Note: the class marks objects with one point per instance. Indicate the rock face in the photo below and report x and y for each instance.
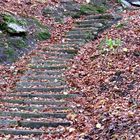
(18, 35)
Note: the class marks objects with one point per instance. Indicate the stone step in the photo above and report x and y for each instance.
(45, 72)
(32, 115)
(96, 25)
(48, 61)
(32, 124)
(32, 95)
(84, 36)
(20, 132)
(40, 59)
(35, 98)
(58, 54)
(41, 84)
(102, 16)
(49, 103)
(40, 108)
(92, 21)
(49, 89)
(66, 45)
(43, 77)
(84, 29)
(79, 41)
(69, 50)
(51, 67)
(80, 32)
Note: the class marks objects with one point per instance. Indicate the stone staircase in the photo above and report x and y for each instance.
(41, 100)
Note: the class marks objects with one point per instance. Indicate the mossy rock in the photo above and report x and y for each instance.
(88, 9)
(14, 44)
(92, 9)
(18, 42)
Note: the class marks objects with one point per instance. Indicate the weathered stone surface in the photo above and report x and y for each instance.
(14, 28)
(98, 2)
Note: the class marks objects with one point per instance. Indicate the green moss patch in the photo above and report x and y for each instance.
(43, 35)
(89, 9)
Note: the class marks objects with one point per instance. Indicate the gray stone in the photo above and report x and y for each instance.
(15, 29)
(97, 2)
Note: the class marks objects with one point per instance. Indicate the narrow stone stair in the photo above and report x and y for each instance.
(41, 98)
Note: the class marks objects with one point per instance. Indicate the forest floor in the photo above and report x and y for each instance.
(106, 75)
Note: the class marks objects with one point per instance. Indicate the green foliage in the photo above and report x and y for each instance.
(120, 25)
(88, 8)
(11, 19)
(43, 35)
(109, 44)
(10, 52)
(112, 44)
(18, 43)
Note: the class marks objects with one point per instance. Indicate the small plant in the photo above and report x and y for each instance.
(109, 44)
(112, 44)
(121, 24)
